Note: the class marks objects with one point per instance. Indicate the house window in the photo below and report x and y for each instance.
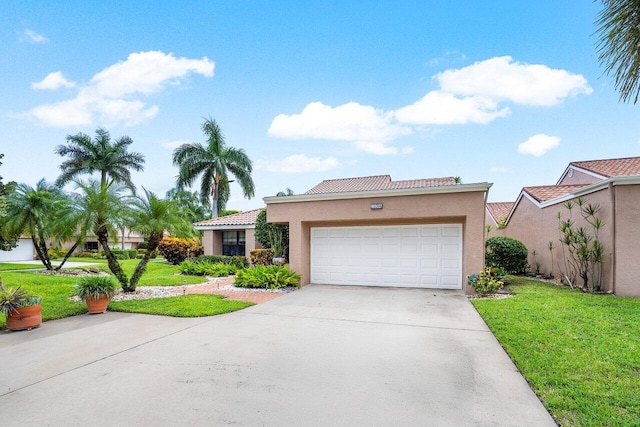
(91, 246)
(233, 242)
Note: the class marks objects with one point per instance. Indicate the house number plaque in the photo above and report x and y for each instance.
(376, 205)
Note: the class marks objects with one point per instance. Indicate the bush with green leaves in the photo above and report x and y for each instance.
(486, 282)
(506, 252)
(194, 268)
(271, 277)
(273, 236)
(239, 261)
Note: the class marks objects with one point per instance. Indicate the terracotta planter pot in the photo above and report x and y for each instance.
(25, 318)
(97, 305)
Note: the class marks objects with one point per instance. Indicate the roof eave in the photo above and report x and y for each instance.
(224, 227)
(458, 188)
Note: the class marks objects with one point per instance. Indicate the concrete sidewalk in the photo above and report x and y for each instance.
(323, 355)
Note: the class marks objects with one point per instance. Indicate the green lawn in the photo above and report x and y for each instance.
(580, 352)
(183, 306)
(6, 266)
(56, 290)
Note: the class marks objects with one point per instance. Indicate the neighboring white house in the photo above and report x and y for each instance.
(23, 252)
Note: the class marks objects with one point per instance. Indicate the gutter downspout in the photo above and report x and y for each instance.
(612, 194)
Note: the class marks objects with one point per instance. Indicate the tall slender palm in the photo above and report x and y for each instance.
(151, 217)
(114, 163)
(213, 163)
(618, 45)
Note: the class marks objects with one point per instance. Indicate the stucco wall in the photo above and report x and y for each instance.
(537, 227)
(467, 209)
(627, 259)
(212, 241)
(579, 178)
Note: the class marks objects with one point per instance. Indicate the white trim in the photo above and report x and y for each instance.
(224, 227)
(458, 188)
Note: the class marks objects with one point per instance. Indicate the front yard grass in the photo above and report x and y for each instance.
(56, 290)
(7, 266)
(183, 306)
(579, 352)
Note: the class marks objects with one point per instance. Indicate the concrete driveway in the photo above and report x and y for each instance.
(320, 356)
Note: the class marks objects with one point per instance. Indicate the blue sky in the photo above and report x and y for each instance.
(498, 91)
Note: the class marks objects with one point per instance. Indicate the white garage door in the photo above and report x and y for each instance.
(420, 256)
(23, 252)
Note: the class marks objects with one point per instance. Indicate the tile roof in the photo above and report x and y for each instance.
(611, 167)
(240, 218)
(547, 192)
(374, 183)
(499, 210)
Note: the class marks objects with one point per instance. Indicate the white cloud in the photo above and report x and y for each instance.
(538, 145)
(174, 144)
(407, 150)
(113, 95)
(440, 108)
(501, 78)
(53, 81)
(298, 163)
(31, 36)
(369, 128)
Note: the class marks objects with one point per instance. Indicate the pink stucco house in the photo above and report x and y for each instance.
(231, 234)
(612, 184)
(373, 231)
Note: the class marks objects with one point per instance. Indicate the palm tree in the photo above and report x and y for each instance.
(31, 211)
(152, 217)
(114, 164)
(213, 164)
(287, 192)
(618, 45)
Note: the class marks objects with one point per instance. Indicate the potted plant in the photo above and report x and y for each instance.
(95, 291)
(23, 311)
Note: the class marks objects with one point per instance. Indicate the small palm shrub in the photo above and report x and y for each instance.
(506, 252)
(14, 298)
(95, 287)
(194, 268)
(272, 277)
(486, 282)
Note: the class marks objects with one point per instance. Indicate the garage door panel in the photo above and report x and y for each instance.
(416, 256)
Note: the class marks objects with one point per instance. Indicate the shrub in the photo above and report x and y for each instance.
(192, 268)
(239, 261)
(506, 252)
(175, 250)
(261, 256)
(272, 276)
(95, 287)
(486, 282)
(274, 236)
(132, 253)
(143, 245)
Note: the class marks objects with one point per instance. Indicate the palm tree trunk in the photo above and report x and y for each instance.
(68, 254)
(154, 240)
(42, 253)
(214, 209)
(112, 262)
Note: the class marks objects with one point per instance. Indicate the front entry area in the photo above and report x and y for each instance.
(418, 256)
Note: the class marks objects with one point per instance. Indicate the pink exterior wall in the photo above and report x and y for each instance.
(466, 208)
(536, 227)
(579, 178)
(627, 240)
(212, 241)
